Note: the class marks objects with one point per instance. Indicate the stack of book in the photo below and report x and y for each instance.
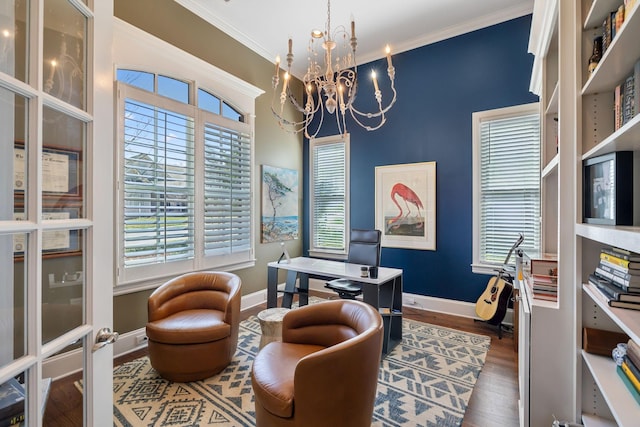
(629, 371)
(626, 98)
(618, 277)
(541, 274)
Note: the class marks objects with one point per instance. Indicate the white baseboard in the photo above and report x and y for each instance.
(71, 362)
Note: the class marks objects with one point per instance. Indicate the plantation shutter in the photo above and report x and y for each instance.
(158, 185)
(329, 196)
(509, 185)
(227, 192)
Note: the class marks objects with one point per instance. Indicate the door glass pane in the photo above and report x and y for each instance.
(62, 166)
(13, 159)
(63, 400)
(13, 297)
(63, 284)
(13, 38)
(64, 59)
(13, 393)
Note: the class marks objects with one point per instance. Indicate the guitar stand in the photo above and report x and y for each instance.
(500, 326)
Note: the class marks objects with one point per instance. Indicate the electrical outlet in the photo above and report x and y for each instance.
(141, 339)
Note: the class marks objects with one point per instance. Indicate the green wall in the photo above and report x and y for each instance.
(174, 24)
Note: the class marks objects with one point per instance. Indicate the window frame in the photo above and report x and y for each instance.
(478, 118)
(315, 251)
(137, 50)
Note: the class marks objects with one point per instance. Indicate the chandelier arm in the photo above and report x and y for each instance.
(382, 111)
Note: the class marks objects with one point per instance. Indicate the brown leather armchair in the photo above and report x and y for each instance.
(325, 370)
(193, 325)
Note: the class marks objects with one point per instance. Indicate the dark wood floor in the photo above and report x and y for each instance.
(494, 401)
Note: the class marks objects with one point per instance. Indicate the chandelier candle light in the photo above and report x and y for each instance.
(336, 81)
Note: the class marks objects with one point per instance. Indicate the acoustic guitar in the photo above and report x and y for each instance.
(492, 304)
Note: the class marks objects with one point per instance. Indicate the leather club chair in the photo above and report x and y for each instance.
(193, 325)
(325, 370)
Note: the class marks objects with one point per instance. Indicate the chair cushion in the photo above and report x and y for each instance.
(189, 327)
(344, 285)
(273, 374)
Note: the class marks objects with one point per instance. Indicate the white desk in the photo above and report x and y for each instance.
(383, 293)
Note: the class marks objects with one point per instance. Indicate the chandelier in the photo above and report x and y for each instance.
(330, 88)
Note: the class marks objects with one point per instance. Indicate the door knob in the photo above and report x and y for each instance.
(104, 337)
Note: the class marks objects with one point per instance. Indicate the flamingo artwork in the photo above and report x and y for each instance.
(409, 197)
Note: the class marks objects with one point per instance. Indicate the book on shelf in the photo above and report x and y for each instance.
(636, 92)
(607, 287)
(628, 282)
(617, 107)
(615, 260)
(628, 384)
(623, 253)
(624, 304)
(633, 369)
(618, 270)
(16, 393)
(630, 374)
(611, 298)
(11, 402)
(627, 100)
(633, 352)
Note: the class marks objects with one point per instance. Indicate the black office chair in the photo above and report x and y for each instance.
(364, 249)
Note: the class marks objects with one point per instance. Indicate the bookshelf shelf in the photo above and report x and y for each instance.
(623, 406)
(594, 421)
(617, 61)
(628, 320)
(598, 12)
(627, 237)
(552, 105)
(551, 167)
(627, 138)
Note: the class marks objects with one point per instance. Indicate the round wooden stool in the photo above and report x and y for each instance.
(271, 324)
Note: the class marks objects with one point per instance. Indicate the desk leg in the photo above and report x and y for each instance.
(303, 292)
(289, 288)
(272, 287)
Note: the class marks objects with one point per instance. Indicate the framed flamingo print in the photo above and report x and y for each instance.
(406, 205)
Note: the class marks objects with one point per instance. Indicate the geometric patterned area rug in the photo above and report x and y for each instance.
(427, 380)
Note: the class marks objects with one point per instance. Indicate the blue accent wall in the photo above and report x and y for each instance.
(439, 87)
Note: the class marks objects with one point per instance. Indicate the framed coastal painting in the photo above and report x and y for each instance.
(279, 204)
(406, 205)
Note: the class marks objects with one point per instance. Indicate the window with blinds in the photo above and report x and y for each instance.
(227, 195)
(507, 188)
(185, 181)
(329, 204)
(158, 193)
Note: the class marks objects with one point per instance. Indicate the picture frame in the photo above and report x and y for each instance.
(280, 216)
(405, 205)
(608, 191)
(55, 243)
(61, 169)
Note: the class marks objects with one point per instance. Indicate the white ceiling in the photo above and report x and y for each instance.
(266, 25)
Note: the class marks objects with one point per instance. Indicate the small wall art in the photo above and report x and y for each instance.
(279, 204)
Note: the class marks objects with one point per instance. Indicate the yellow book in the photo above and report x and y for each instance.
(630, 375)
(614, 260)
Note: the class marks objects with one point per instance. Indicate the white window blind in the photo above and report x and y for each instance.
(158, 185)
(329, 222)
(227, 181)
(509, 183)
